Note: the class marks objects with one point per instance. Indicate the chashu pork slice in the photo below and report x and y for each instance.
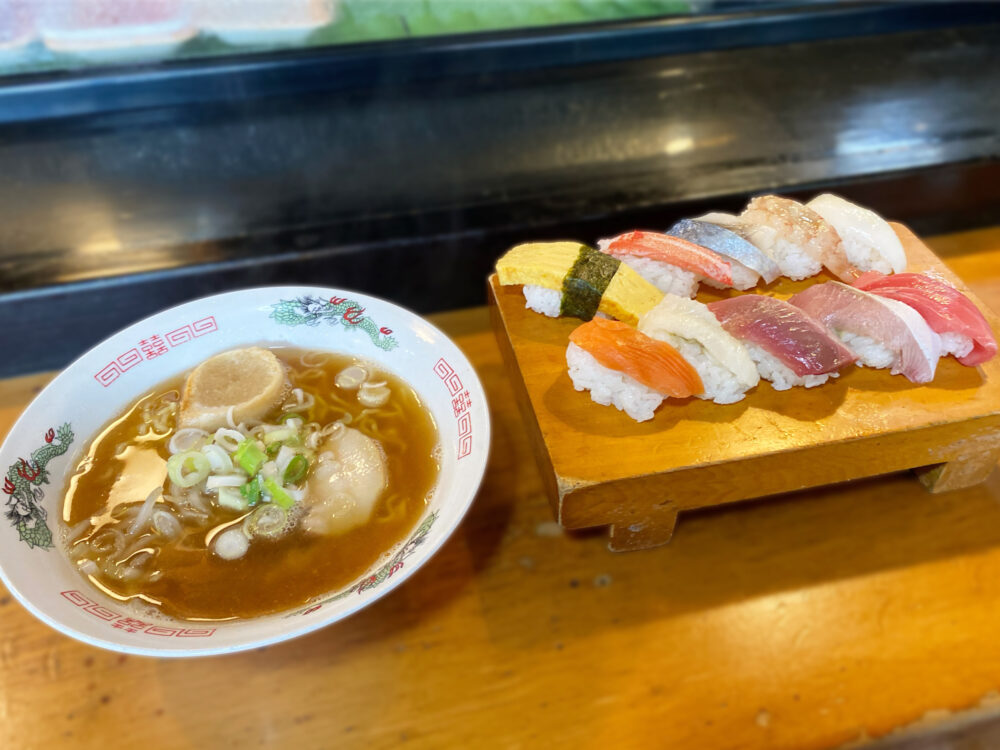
(251, 381)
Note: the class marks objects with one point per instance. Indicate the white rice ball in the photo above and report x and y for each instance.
(956, 344)
(863, 256)
(668, 278)
(782, 377)
(721, 385)
(610, 387)
(543, 300)
(868, 351)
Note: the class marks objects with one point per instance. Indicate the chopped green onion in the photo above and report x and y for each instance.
(276, 436)
(273, 449)
(296, 470)
(188, 468)
(278, 495)
(289, 415)
(249, 457)
(232, 499)
(251, 491)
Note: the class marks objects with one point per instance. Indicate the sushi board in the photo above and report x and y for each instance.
(601, 468)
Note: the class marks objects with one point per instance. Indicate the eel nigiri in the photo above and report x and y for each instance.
(963, 330)
(746, 259)
(726, 370)
(881, 332)
(570, 279)
(868, 240)
(671, 264)
(789, 346)
(627, 369)
(801, 241)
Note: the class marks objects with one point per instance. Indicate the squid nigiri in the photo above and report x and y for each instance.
(881, 332)
(723, 363)
(745, 259)
(788, 345)
(671, 264)
(801, 241)
(963, 330)
(624, 368)
(868, 240)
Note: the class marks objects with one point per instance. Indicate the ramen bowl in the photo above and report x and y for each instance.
(46, 444)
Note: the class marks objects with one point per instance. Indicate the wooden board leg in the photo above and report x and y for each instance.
(961, 472)
(653, 531)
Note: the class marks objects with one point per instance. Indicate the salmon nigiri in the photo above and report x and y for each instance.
(672, 264)
(622, 367)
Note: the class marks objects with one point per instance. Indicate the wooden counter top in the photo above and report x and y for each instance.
(806, 621)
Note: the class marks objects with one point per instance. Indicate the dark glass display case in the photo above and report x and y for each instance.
(403, 166)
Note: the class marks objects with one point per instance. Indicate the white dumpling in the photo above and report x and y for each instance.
(348, 479)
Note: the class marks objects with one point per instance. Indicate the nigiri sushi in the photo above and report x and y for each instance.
(671, 264)
(570, 279)
(800, 240)
(868, 240)
(627, 369)
(881, 332)
(788, 345)
(963, 330)
(726, 370)
(746, 260)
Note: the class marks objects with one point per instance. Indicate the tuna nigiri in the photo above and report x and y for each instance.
(881, 332)
(800, 240)
(672, 265)
(789, 346)
(745, 258)
(723, 363)
(868, 240)
(963, 329)
(627, 369)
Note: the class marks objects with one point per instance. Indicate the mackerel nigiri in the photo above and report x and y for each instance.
(723, 363)
(963, 329)
(868, 240)
(672, 265)
(801, 241)
(881, 332)
(742, 254)
(627, 369)
(789, 346)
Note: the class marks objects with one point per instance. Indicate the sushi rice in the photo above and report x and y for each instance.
(778, 373)
(543, 300)
(721, 385)
(869, 352)
(956, 344)
(609, 387)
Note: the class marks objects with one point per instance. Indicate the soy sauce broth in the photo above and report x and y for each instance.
(122, 466)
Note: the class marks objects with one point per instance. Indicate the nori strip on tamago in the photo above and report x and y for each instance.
(585, 283)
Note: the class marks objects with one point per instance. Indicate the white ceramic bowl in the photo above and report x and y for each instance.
(45, 445)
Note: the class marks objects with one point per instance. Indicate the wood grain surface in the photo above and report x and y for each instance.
(609, 469)
(807, 621)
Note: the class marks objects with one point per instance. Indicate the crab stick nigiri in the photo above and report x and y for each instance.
(622, 367)
(673, 265)
(881, 332)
